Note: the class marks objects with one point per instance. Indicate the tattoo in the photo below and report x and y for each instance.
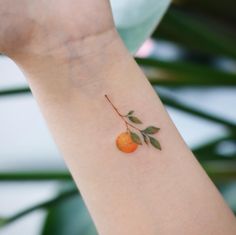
(129, 140)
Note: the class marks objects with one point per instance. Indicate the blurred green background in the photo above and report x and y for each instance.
(191, 50)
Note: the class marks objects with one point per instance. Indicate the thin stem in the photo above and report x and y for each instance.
(133, 126)
(117, 111)
(122, 116)
(196, 112)
(35, 176)
(15, 91)
(44, 205)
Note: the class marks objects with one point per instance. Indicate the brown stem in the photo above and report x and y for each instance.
(133, 126)
(122, 116)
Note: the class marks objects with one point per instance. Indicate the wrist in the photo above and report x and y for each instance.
(83, 61)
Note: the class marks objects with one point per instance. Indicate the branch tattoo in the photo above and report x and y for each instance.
(129, 140)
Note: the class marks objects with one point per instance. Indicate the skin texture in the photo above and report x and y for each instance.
(72, 55)
(45, 27)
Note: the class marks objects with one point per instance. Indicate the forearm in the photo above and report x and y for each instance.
(145, 192)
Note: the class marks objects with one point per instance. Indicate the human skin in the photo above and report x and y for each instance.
(72, 56)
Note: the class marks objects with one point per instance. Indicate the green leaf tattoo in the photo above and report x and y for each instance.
(155, 143)
(134, 119)
(129, 140)
(135, 138)
(130, 112)
(145, 139)
(151, 130)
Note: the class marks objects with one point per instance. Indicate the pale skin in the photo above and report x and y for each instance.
(72, 56)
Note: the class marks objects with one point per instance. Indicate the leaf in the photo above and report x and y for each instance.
(137, 19)
(69, 218)
(151, 130)
(185, 73)
(155, 143)
(145, 139)
(196, 34)
(135, 138)
(130, 112)
(134, 119)
(2, 221)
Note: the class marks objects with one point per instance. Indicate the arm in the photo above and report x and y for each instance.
(145, 192)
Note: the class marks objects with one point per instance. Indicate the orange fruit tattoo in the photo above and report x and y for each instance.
(125, 143)
(129, 140)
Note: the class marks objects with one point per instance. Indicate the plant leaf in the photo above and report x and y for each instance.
(70, 217)
(196, 34)
(130, 112)
(134, 119)
(2, 221)
(135, 138)
(155, 143)
(151, 130)
(145, 139)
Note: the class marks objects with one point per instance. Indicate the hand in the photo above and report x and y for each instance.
(45, 26)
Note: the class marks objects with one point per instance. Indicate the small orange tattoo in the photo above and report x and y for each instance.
(128, 141)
